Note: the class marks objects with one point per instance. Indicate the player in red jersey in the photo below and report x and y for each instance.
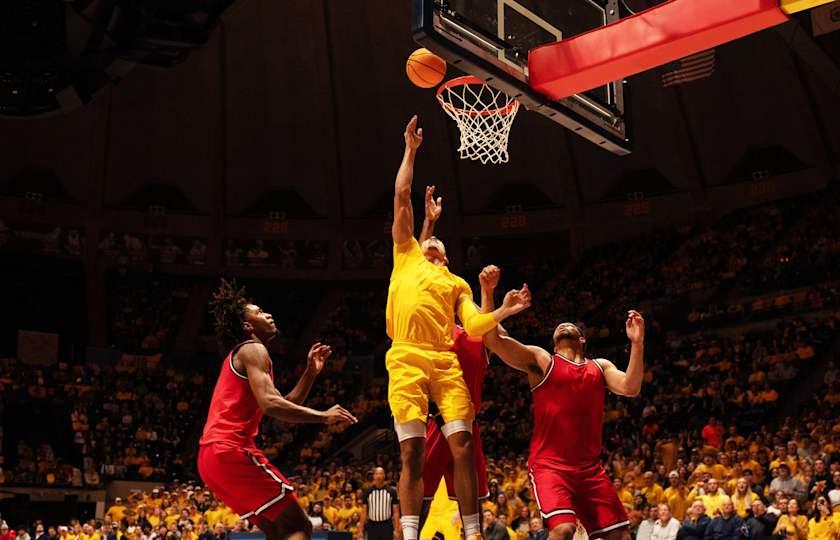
(438, 462)
(567, 477)
(228, 460)
(472, 357)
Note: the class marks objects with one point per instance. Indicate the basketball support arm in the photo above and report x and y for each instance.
(651, 38)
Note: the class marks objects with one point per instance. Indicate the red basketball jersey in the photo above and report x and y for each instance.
(473, 359)
(568, 413)
(234, 416)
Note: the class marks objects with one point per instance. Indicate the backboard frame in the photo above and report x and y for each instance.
(502, 65)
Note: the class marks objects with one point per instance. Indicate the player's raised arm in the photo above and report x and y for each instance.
(527, 358)
(403, 228)
(315, 361)
(628, 383)
(434, 208)
(477, 323)
(255, 358)
(489, 280)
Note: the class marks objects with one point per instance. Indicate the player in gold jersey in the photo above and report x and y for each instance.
(423, 298)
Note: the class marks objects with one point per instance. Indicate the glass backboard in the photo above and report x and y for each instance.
(491, 40)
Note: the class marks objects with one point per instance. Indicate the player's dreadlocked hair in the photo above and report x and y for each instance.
(228, 310)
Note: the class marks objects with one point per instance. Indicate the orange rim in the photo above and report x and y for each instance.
(467, 80)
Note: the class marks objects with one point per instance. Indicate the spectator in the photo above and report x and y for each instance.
(492, 529)
(787, 484)
(821, 526)
(345, 513)
(792, 525)
(676, 496)
(219, 532)
(5, 533)
(503, 521)
(820, 480)
(780, 504)
(198, 252)
(834, 501)
(666, 526)
(52, 534)
(241, 526)
(645, 529)
(23, 534)
(651, 491)
(537, 531)
(316, 516)
(233, 254)
(761, 524)
(694, 527)
(712, 497)
(108, 532)
(117, 510)
(522, 523)
(713, 433)
(257, 255)
(203, 532)
(728, 525)
(40, 533)
(743, 498)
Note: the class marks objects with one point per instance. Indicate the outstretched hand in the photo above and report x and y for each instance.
(338, 414)
(317, 357)
(434, 208)
(635, 327)
(413, 135)
(517, 301)
(489, 277)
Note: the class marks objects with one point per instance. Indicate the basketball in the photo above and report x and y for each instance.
(425, 69)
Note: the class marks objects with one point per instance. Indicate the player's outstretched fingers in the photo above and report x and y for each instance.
(348, 416)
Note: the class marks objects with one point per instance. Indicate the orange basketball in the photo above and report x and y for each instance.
(425, 69)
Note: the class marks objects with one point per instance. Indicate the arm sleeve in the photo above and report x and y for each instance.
(475, 323)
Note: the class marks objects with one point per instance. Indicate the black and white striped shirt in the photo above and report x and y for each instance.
(380, 502)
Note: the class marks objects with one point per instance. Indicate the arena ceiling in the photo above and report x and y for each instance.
(299, 106)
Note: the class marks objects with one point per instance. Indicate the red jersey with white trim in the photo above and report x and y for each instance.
(473, 359)
(235, 415)
(568, 414)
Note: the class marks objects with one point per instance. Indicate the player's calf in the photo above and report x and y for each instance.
(291, 524)
(564, 531)
(616, 534)
(463, 459)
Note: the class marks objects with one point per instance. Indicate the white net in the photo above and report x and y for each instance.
(484, 116)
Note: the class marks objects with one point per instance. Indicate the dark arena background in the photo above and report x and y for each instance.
(149, 149)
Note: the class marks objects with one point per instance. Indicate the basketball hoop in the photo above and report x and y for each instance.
(484, 116)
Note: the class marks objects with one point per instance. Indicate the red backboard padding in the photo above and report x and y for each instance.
(654, 37)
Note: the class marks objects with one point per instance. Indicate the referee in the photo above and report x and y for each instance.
(380, 510)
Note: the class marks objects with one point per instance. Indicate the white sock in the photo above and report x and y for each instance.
(410, 527)
(472, 525)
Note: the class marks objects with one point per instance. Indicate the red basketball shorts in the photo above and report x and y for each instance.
(246, 481)
(566, 495)
(438, 463)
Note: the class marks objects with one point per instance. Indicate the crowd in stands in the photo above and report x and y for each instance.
(739, 312)
(140, 250)
(145, 311)
(729, 485)
(123, 419)
(280, 254)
